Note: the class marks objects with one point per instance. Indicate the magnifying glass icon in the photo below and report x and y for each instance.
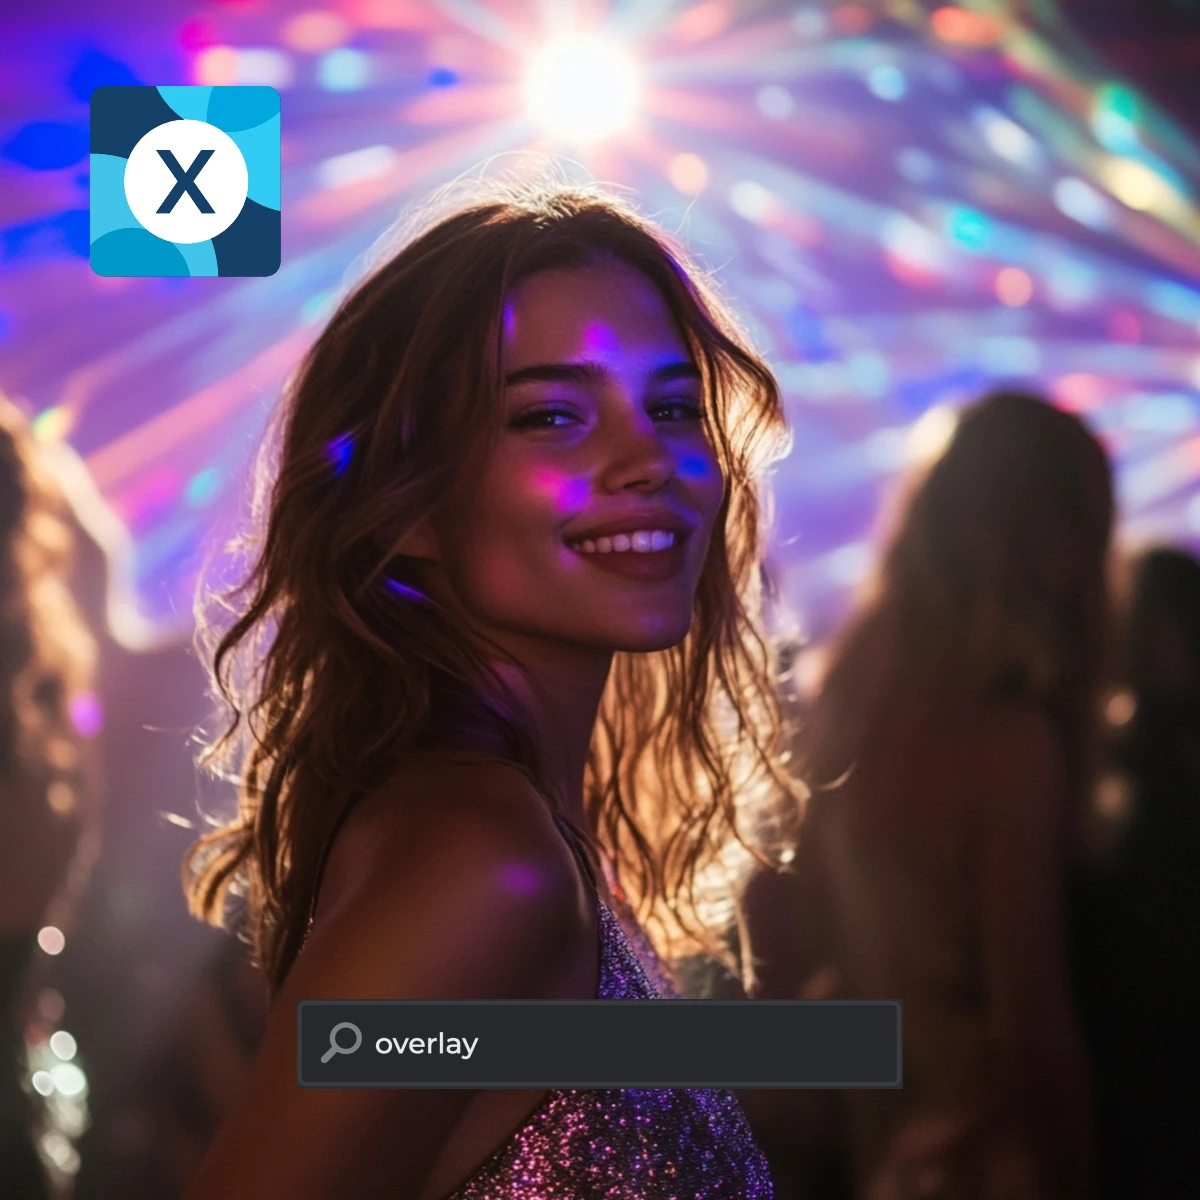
(334, 1048)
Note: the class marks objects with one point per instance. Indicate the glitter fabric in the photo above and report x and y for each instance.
(628, 1143)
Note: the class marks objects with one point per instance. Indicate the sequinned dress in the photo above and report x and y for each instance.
(622, 1143)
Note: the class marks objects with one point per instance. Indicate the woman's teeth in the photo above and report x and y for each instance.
(643, 541)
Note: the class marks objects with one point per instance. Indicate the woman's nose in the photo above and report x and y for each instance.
(636, 455)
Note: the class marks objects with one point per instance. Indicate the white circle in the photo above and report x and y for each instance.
(222, 181)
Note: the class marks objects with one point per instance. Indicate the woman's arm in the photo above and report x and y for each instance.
(1022, 824)
(434, 912)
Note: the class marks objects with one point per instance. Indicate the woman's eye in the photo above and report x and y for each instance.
(558, 417)
(685, 410)
(542, 418)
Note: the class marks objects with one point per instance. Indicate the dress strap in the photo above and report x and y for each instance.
(571, 835)
(312, 904)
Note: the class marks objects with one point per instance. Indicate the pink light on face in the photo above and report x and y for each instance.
(568, 492)
(87, 714)
(599, 338)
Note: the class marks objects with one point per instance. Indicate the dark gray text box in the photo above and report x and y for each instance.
(601, 1043)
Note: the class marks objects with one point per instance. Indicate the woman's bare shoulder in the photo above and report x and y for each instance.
(450, 853)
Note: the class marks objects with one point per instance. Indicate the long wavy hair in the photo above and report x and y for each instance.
(47, 655)
(993, 582)
(327, 661)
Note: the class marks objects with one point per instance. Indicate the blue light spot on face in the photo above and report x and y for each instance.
(340, 451)
(570, 495)
(442, 77)
(695, 466)
(47, 145)
(405, 592)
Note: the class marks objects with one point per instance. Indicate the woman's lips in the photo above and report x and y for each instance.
(652, 565)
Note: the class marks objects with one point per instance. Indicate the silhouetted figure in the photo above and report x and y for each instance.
(1138, 927)
(949, 751)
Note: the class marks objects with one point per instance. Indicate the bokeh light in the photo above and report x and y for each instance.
(582, 88)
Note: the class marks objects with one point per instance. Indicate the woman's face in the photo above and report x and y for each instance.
(590, 520)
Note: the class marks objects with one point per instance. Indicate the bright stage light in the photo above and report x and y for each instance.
(582, 89)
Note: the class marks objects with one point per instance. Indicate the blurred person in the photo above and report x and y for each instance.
(949, 751)
(194, 1071)
(1137, 927)
(497, 680)
(48, 833)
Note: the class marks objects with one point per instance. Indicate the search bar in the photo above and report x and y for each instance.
(600, 1043)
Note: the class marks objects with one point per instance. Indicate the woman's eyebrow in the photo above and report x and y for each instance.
(593, 372)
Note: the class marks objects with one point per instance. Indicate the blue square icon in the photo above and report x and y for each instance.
(185, 181)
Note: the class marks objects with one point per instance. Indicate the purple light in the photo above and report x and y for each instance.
(599, 337)
(406, 592)
(521, 878)
(87, 714)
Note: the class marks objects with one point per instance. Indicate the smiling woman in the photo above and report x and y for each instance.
(504, 608)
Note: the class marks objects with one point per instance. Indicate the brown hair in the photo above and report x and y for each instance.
(335, 661)
(47, 657)
(994, 581)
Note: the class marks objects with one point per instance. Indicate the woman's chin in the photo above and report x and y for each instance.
(649, 637)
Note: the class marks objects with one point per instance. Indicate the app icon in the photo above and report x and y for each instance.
(185, 181)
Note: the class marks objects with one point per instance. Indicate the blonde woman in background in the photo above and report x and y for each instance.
(48, 834)
(950, 751)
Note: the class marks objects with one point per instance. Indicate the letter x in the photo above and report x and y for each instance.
(185, 182)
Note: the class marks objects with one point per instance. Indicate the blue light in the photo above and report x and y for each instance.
(968, 227)
(47, 145)
(405, 592)
(340, 451)
(1081, 202)
(202, 488)
(442, 77)
(887, 82)
(1168, 413)
(343, 70)
(46, 236)
(95, 70)
(1174, 301)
